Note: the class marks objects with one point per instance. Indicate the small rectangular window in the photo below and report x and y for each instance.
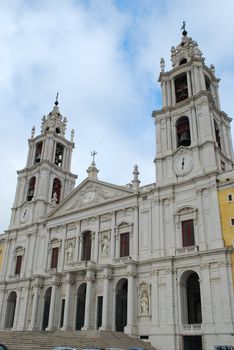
(18, 264)
(188, 233)
(229, 197)
(54, 258)
(232, 221)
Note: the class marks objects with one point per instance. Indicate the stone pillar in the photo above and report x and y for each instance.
(88, 303)
(76, 257)
(117, 238)
(173, 95)
(164, 94)
(112, 253)
(106, 306)
(96, 241)
(52, 307)
(189, 84)
(16, 316)
(131, 310)
(93, 234)
(200, 225)
(206, 296)
(34, 307)
(81, 238)
(67, 304)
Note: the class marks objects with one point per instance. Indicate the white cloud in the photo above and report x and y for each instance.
(103, 58)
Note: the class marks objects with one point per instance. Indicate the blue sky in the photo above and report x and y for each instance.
(103, 57)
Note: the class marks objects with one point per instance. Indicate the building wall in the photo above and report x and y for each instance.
(226, 213)
(2, 251)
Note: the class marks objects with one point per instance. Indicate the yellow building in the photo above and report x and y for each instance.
(226, 203)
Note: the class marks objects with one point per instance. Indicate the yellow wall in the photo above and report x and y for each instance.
(2, 249)
(227, 212)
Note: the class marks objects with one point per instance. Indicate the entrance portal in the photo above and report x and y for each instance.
(192, 342)
(10, 310)
(80, 308)
(46, 311)
(121, 305)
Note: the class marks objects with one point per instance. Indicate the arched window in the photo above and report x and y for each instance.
(31, 188)
(217, 135)
(56, 190)
(181, 87)
(183, 132)
(86, 246)
(58, 159)
(37, 158)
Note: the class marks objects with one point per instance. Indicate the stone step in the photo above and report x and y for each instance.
(80, 339)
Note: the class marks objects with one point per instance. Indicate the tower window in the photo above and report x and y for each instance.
(54, 258)
(18, 264)
(229, 197)
(58, 131)
(31, 188)
(232, 221)
(188, 233)
(124, 244)
(59, 154)
(37, 158)
(223, 167)
(217, 136)
(183, 61)
(183, 132)
(208, 84)
(181, 88)
(56, 190)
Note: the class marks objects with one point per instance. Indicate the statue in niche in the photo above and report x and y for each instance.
(105, 246)
(144, 303)
(70, 252)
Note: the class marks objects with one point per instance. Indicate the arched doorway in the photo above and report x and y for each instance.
(121, 305)
(191, 298)
(80, 306)
(194, 299)
(10, 310)
(46, 311)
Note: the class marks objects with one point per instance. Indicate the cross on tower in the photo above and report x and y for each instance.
(93, 154)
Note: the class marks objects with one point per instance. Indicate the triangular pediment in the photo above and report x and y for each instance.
(90, 193)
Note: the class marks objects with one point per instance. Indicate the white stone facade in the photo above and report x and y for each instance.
(109, 257)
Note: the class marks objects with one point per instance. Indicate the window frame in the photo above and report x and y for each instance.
(187, 231)
(124, 248)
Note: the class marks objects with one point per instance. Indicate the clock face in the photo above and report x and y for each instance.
(25, 214)
(183, 164)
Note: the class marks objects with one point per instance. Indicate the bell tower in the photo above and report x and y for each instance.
(192, 133)
(46, 180)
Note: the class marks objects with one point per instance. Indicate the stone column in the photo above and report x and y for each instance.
(189, 84)
(164, 94)
(88, 304)
(34, 307)
(112, 253)
(16, 316)
(200, 225)
(93, 234)
(169, 99)
(131, 310)
(52, 307)
(81, 238)
(135, 250)
(173, 95)
(117, 238)
(67, 303)
(206, 296)
(106, 288)
(77, 246)
(96, 241)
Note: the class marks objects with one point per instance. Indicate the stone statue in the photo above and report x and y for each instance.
(70, 253)
(105, 246)
(144, 303)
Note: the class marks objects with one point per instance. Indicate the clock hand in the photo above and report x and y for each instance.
(183, 163)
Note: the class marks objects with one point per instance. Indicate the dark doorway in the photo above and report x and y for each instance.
(99, 311)
(194, 299)
(10, 310)
(192, 342)
(62, 312)
(121, 305)
(46, 311)
(80, 309)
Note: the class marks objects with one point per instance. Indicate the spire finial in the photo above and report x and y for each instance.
(184, 32)
(93, 154)
(56, 100)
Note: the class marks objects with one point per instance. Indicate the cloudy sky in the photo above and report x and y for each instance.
(103, 58)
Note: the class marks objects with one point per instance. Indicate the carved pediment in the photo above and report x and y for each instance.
(90, 193)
